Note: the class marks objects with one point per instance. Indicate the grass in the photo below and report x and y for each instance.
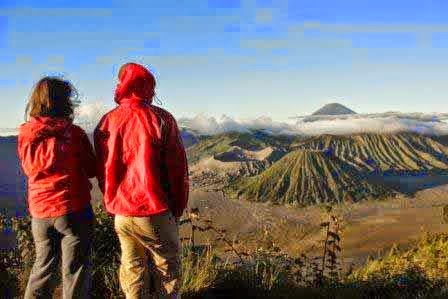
(427, 256)
(264, 272)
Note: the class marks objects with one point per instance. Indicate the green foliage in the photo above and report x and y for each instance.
(9, 262)
(16, 263)
(105, 257)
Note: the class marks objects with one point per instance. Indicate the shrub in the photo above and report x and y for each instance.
(105, 257)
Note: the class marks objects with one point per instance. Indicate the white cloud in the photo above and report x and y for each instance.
(371, 125)
(8, 131)
(391, 114)
(203, 124)
(88, 115)
(390, 122)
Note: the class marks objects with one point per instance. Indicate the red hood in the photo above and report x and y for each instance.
(136, 83)
(38, 127)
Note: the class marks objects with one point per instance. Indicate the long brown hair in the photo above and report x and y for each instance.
(53, 97)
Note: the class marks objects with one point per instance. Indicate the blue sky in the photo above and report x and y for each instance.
(244, 58)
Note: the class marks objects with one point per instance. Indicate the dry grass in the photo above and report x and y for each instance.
(262, 271)
(266, 272)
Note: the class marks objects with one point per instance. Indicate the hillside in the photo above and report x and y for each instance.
(306, 177)
(189, 138)
(442, 139)
(211, 145)
(225, 167)
(384, 152)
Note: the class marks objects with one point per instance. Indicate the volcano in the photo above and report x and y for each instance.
(305, 177)
(334, 109)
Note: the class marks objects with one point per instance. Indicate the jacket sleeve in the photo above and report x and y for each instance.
(177, 169)
(100, 140)
(88, 159)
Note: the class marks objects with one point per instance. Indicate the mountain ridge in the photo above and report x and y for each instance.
(383, 152)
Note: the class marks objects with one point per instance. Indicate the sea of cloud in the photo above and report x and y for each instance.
(88, 115)
(390, 122)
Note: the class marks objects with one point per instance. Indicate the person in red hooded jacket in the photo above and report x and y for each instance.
(143, 174)
(58, 160)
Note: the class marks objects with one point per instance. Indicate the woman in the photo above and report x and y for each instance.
(58, 160)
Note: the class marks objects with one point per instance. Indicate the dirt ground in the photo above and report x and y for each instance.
(369, 228)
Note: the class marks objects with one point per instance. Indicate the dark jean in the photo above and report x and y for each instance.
(69, 236)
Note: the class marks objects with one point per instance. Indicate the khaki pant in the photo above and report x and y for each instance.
(150, 254)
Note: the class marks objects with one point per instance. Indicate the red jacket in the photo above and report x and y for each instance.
(58, 160)
(142, 166)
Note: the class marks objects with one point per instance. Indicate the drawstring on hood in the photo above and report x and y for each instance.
(135, 83)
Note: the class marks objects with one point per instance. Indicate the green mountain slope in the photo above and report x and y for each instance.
(384, 152)
(306, 177)
(254, 141)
